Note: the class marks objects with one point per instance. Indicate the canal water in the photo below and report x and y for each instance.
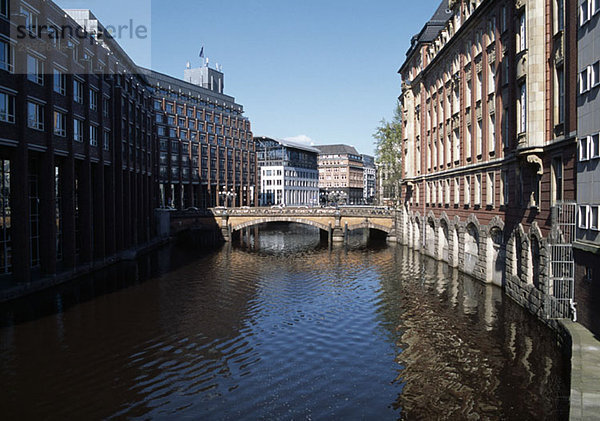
(279, 327)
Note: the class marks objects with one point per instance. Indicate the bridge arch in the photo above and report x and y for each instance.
(370, 225)
(271, 219)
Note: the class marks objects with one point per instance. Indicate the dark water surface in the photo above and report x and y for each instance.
(283, 328)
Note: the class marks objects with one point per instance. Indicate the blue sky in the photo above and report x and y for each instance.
(324, 70)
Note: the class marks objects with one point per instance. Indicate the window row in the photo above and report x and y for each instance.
(589, 77)
(472, 186)
(588, 217)
(589, 147)
(587, 9)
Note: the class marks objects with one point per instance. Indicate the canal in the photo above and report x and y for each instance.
(279, 327)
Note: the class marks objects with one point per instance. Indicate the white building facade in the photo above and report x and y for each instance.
(288, 173)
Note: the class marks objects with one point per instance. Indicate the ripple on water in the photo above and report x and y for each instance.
(285, 328)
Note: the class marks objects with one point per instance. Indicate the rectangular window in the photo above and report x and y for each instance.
(504, 187)
(479, 144)
(583, 217)
(93, 100)
(35, 70)
(505, 69)
(4, 8)
(31, 20)
(595, 74)
(584, 13)
(505, 129)
(105, 107)
(503, 20)
(477, 190)
(106, 140)
(523, 108)
(594, 145)
(584, 80)
(492, 134)
(478, 86)
(94, 135)
(490, 191)
(469, 145)
(6, 57)
(595, 6)
(35, 116)
(522, 34)
(557, 180)
(594, 214)
(78, 91)
(492, 78)
(60, 82)
(560, 87)
(7, 108)
(77, 130)
(560, 16)
(584, 149)
(447, 192)
(467, 190)
(60, 124)
(456, 191)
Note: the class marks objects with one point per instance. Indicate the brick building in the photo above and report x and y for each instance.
(341, 178)
(489, 114)
(76, 147)
(206, 152)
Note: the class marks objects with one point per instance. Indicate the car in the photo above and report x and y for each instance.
(192, 209)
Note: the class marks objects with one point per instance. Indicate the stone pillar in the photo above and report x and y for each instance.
(338, 233)
(47, 197)
(67, 194)
(225, 227)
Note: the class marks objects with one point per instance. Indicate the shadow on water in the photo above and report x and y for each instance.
(107, 281)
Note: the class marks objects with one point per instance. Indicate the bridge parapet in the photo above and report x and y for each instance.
(289, 211)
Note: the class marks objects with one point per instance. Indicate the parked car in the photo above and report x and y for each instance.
(192, 209)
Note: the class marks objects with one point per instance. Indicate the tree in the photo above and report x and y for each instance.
(388, 155)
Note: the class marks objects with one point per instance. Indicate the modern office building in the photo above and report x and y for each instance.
(369, 179)
(341, 178)
(206, 153)
(587, 246)
(76, 150)
(489, 114)
(288, 173)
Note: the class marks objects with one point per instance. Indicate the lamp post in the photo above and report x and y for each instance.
(226, 195)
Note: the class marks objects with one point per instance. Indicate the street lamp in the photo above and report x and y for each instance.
(227, 195)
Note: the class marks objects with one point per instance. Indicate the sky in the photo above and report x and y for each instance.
(318, 71)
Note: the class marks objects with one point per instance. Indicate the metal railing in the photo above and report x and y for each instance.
(560, 289)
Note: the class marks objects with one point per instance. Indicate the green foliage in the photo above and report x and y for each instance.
(388, 154)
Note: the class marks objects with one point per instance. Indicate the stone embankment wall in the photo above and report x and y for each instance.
(516, 260)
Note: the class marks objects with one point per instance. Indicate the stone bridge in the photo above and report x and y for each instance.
(336, 222)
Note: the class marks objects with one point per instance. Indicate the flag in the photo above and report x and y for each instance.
(202, 52)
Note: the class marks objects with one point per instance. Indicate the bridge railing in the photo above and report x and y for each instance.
(301, 211)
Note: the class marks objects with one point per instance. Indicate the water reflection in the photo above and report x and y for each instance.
(279, 326)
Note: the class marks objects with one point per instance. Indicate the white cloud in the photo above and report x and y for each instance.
(304, 139)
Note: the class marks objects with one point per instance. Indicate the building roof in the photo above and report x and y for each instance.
(337, 150)
(290, 144)
(431, 29)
